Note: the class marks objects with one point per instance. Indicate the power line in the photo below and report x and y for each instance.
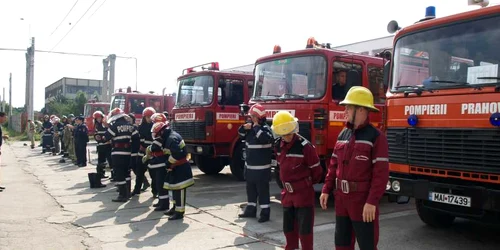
(73, 26)
(65, 17)
(67, 53)
(97, 9)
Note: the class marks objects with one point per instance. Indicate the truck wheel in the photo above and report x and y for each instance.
(208, 165)
(433, 218)
(277, 177)
(238, 163)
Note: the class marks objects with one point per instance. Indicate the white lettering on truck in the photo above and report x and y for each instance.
(480, 108)
(429, 109)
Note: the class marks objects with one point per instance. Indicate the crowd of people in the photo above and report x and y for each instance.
(356, 174)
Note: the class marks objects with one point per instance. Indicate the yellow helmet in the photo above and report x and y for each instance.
(359, 96)
(284, 123)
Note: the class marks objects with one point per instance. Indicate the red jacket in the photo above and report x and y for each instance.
(298, 160)
(362, 157)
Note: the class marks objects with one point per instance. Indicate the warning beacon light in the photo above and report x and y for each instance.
(495, 119)
(190, 70)
(214, 66)
(311, 42)
(412, 120)
(277, 49)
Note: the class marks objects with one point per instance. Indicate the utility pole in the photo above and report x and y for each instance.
(3, 100)
(31, 84)
(10, 100)
(112, 59)
(105, 86)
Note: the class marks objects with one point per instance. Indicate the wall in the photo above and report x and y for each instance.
(18, 122)
(369, 47)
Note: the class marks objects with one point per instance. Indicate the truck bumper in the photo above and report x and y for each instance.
(483, 200)
(200, 149)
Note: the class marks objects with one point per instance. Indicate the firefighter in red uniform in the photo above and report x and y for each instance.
(358, 174)
(300, 168)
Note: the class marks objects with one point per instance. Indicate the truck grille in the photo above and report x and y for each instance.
(190, 130)
(476, 150)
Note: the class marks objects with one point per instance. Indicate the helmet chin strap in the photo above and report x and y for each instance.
(354, 119)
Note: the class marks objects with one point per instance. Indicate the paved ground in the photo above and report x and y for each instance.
(48, 205)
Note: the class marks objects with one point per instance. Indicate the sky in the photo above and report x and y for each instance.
(168, 36)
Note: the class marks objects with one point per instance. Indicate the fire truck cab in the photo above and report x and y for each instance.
(443, 116)
(207, 116)
(310, 83)
(88, 111)
(135, 102)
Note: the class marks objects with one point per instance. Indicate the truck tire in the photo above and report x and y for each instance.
(433, 218)
(208, 165)
(237, 164)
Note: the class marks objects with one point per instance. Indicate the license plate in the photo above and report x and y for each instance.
(450, 199)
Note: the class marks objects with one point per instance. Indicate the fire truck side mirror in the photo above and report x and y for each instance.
(387, 68)
(244, 109)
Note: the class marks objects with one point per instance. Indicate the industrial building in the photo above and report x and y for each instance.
(68, 87)
(369, 47)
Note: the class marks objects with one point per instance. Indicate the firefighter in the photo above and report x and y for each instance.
(157, 156)
(121, 132)
(47, 142)
(58, 130)
(300, 169)
(156, 117)
(134, 152)
(259, 139)
(145, 141)
(179, 174)
(103, 148)
(81, 137)
(64, 122)
(357, 193)
(31, 133)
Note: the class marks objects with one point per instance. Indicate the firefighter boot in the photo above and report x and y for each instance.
(176, 216)
(171, 211)
(250, 212)
(163, 204)
(264, 214)
(95, 180)
(101, 171)
(62, 160)
(122, 194)
(137, 188)
(53, 151)
(98, 182)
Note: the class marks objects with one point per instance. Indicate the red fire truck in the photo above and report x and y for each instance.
(135, 102)
(310, 83)
(443, 126)
(89, 109)
(207, 115)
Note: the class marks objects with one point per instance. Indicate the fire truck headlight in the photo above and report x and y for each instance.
(199, 150)
(396, 186)
(388, 186)
(495, 119)
(412, 120)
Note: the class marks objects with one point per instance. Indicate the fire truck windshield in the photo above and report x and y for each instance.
(461, 55)
(118, 101)
(291, 78)
(196, 90)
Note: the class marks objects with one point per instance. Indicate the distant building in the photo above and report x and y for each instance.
(68, 87)
(369, 47)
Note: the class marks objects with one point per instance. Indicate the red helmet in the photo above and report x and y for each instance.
(158, 127)
(158, 117)
(149, 111)
(52, 116)
(98, 114)
(115, 111)
(257, 110)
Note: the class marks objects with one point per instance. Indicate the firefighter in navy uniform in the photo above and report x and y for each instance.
(81, 135)
(153, 168)
(121, 132)
(145, 141)
(179, 174)
(362, 147)
(157, 156)
(259, 139)
(300, 169)
(134, 153)
(103, 148)
(47, 133)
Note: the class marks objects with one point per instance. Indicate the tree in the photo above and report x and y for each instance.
(79, 103)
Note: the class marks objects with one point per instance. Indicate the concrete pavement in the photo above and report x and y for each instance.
(53, 201)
